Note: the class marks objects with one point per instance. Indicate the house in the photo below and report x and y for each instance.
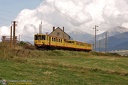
(59, 33)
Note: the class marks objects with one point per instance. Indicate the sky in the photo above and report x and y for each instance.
(9, 9)
(74, 15)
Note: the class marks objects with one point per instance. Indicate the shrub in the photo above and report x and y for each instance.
(31, 47)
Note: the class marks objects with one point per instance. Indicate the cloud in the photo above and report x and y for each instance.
(73, 10)
(114, 14)
(28, 31)
(4, 31)
(73, 15)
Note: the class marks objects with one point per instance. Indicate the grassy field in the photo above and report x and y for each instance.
(33, 67)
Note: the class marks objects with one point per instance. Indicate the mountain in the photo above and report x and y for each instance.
(115, 42)
(115, 38)
(122, 46)
(80, 36)
(112, 32)
(117, 30)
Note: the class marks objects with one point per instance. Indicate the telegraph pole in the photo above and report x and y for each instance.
(99, 45)
(93, 47)
(95, 36)
(14, 28)
(106, 42)
(20, 37)
(11, 37)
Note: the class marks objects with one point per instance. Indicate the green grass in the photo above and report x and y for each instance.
(63, 67)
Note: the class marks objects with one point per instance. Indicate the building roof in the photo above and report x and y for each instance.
(59, 29)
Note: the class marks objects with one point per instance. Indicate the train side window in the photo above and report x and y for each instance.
(72, 42)
(59, 40)
(52, 39)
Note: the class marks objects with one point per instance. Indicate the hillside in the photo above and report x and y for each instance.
(60, 67)
(122, 46)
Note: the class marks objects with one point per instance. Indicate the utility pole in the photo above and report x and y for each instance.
(20, 37)
(93, 47)
(99, 45)
(95, 36)
(14, 28)
(11, 37)
(106, 34)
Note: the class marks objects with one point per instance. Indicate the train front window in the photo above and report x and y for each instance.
(39, 37)
(36, 37)
(43, 37)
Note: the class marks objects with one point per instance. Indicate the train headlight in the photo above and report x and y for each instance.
(42, 43)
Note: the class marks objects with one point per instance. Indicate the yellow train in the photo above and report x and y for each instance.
(53, 42)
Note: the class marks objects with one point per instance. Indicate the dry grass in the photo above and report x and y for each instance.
(60, 67)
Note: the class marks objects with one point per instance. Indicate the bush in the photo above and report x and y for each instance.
(31, 47)
(104, 54)
(22, 43)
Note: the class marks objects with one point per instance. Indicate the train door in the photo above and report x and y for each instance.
(49, 40)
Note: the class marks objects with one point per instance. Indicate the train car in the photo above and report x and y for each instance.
(48, 42)
(41, 41)
(53, 42)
